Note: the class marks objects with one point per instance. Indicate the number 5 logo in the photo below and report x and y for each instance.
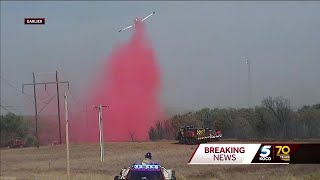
(265, 151)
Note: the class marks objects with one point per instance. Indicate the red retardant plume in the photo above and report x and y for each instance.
(130, 85)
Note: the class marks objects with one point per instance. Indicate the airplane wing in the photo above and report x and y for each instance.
(148, 16)
(125, 28)
(141, 21)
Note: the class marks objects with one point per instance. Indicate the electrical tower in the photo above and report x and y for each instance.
(35, 101)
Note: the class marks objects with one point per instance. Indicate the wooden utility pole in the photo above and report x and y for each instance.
(35, 99)
(67, 133)
(99, 107)
(58, 97)
(35, 109)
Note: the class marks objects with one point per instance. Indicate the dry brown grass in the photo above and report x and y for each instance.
(49, 162)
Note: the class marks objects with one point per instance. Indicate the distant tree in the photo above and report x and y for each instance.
(169, 131)
(177, 121)
(205, 116)
(316, 106)
(190, 119)
(132, 135)
(224, 121)
(162, 130)
(159, 130)
(12, 127)
(309, 122)
(259, 122)
(280, 108)
(152, 134)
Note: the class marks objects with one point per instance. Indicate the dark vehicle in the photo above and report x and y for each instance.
(148, 172)
(191, 135)
(15, 143)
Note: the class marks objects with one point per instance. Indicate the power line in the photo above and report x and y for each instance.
(15, 87)
(6, 109)
(9, 106)
(23, 106)
(47, 103)
(75, 101)
(72, 97)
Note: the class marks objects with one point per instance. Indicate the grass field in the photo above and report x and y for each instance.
(49, 162)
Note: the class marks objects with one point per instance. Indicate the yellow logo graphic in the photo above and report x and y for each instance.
(200, 131)
(283, 152)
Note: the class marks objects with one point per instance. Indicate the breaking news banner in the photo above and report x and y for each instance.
(34, 21)
(271, 153)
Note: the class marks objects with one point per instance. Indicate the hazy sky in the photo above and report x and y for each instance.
(201, 47)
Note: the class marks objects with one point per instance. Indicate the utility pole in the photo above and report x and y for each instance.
(67, 133)
(58, 97)
(35, 108)
(46, 83)
(99, 107)
(249, 84)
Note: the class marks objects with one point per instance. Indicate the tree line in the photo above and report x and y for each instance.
(273, 118)
(15, 127)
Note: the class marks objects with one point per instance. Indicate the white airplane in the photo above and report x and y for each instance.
(136, 21)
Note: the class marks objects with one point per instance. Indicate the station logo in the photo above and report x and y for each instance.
(265, 153)
(283, 152)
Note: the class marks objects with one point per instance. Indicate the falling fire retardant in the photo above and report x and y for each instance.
(130, 84)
